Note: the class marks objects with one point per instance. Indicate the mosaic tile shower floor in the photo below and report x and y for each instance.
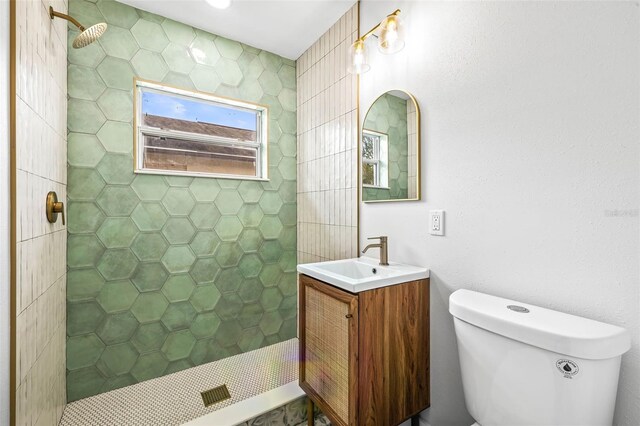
(175, 398)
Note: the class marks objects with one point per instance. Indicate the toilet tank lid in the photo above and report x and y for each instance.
(545, 328)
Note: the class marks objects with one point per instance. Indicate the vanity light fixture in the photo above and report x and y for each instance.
(390, 35)
(219, 4)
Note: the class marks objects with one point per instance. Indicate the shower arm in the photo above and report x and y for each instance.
(53, 13)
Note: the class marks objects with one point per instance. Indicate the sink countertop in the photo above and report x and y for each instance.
(363, 273)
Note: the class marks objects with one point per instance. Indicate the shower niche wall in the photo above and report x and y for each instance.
(169, 272)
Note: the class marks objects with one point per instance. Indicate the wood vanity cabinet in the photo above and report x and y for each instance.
(364, 357)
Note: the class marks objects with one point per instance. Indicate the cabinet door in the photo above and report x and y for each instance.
(328, 349)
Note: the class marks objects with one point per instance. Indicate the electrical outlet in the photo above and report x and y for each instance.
(436, 222)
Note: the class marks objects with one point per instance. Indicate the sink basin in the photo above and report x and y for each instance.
(363, 273)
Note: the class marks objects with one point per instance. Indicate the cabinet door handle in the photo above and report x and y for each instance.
(348, 316)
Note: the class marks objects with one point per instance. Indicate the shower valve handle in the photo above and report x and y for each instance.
(53, 207)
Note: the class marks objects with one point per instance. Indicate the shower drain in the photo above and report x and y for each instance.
(215, 395)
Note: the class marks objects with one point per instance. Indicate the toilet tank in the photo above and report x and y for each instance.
(526, 365)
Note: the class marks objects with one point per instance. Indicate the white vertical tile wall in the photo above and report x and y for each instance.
(41, 117)
(328, 146)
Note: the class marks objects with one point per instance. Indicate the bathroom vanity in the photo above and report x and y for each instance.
(364, 341)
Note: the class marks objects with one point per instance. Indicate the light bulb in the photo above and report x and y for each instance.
(358, 58)
(219, 4)
(391, 37)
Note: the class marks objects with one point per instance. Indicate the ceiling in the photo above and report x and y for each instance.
(284, 27)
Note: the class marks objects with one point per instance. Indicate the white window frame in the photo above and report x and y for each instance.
(140, 130)
(380, 161)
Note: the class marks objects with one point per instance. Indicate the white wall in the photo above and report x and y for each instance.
(4, 213)
(530, 134)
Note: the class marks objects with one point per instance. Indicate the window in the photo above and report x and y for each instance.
(180, 132)
(374, 159)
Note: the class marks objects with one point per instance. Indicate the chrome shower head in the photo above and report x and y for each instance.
(87, 35)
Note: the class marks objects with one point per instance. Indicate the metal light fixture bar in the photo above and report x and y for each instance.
(390, 35)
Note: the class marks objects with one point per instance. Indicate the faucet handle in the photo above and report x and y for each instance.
(381, 238)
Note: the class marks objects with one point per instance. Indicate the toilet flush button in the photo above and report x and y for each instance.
(516, 308)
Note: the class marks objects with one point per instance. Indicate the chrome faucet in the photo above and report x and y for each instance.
(384, 255)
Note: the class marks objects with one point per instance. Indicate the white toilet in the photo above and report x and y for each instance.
(526, 365)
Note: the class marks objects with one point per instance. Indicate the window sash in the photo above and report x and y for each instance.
(375, 161)
(193, 151)
(375, 141)
(376, 175)
(197, 137)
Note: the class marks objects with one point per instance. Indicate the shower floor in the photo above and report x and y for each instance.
(175, 399)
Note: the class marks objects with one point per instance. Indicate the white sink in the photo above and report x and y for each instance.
(364, 273)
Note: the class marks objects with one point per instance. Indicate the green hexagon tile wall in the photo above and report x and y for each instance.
(388, 115)
(170, 272)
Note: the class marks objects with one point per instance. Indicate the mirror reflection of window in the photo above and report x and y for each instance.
(375, 159)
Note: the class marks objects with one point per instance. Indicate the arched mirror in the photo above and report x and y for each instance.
(390, 149)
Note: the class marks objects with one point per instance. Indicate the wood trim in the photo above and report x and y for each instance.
(301, 329)
(354, 383)
(328, 289)
(13, 216)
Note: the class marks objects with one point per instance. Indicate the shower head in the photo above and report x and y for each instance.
(87, 35)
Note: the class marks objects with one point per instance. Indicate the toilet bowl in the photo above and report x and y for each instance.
(526, 365)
